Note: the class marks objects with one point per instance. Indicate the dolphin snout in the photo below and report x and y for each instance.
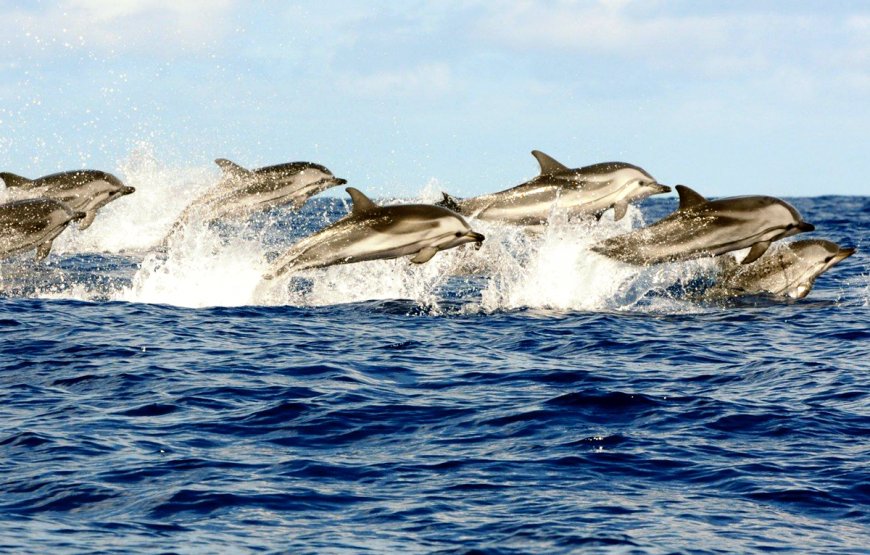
(340, 181)
(805, 227)
(127, 190)
(844, 254)
(476, 237)
(659, 188)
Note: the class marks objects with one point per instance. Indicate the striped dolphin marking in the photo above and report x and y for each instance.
(242, 192)
(33, 224)
(85, 190)
(701, 227)
(790, 271)
(581, 191)
(372, 232)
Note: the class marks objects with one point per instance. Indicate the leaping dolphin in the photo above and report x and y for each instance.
(372, 232)
(85, 190)
(33, 224)
(790, 271)
(701, 227)
(242, 192)
(587, 190)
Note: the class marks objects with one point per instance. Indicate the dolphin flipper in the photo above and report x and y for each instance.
(13, 180)
(87, 220)
(803, 289)
(756, 251)
(425, 255)
(43, 250)
(619, 210)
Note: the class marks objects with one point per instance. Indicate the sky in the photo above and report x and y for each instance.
(729, 97)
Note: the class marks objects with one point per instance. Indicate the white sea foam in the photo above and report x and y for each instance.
(200, 268)
(139, 221)
(552, 268)
(861, 284)
(558, 270)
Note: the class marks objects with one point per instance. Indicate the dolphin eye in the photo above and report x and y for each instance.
(459, 234)
(828, 259)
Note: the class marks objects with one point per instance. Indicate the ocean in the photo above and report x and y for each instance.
(527, 397)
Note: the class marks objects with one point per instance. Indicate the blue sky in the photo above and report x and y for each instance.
(730, 97)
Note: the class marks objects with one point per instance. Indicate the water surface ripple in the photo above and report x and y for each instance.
(440, 423)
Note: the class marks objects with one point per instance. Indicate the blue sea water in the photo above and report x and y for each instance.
(525, 398)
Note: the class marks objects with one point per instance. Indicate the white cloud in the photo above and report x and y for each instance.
(860, 22)
(116, 9)
(162, 28)
(427, 80)
(608, 27)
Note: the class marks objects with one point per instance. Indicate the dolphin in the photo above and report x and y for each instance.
(588, 190)
(33, 223)
(701, 227)
(789, 271)
(242, 192)
(372, 232)
(85, 190)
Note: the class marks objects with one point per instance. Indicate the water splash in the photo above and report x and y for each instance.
(200, 268)
(551, 267)
(140, 221)
(862, 284)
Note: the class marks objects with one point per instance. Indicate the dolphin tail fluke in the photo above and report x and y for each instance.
(12, 180)
(43, 250)
(756, 251)
(231, 169)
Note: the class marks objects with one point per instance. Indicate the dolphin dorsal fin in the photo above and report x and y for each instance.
(13, 180)
(549, 166)
(449, 203)
(231, 169)
(688, 197)
(361, 203)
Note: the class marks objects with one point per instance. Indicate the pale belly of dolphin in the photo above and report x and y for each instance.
(595, 201)
(537, 204)
(86, 197)
(684, 239)
(349, 244)
(783, 285)
(242, 203)
(16, 240)
(779, 274)
(94, 203)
